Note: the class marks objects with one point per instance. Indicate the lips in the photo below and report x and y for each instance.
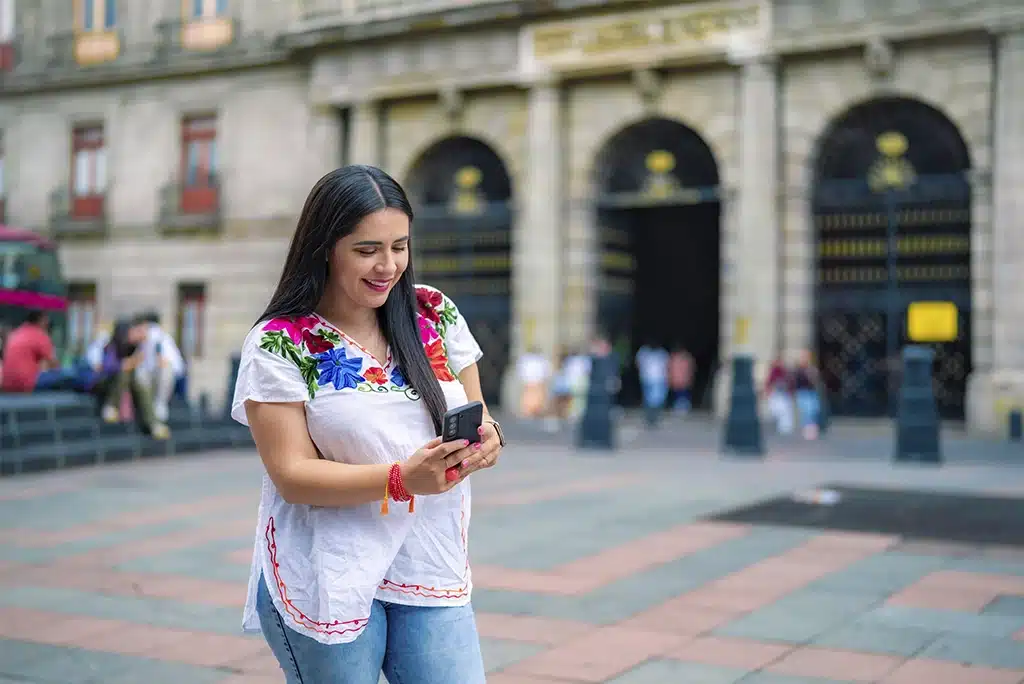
(377, 285)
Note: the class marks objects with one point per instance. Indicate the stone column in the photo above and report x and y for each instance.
(364, 134)
(992, 394)
(537, 254)
(757, 225)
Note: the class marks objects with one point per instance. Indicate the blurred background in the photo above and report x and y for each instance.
(780, 178)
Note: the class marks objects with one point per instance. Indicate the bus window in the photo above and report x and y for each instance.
(27, 267)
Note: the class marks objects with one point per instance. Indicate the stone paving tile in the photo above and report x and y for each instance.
(726, 652)
(666, 671)
(897, 641)
(936, 672)
(500, 653)
(773, 678)
(826, 662)
(975, 650)
(1006, 605)
(996, 626)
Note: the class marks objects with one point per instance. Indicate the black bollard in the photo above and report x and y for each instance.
(1016, 428)
(917, 418)
(236, 361)
(596, 430)
(743, 425)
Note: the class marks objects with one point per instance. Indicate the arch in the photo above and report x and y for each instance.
(461, 193)
(622, 163)
(432, 173)
(658, 212)
(890, 171)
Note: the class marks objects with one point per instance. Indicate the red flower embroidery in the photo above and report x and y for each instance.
(438, 361)
(317, 343)
(376, 375)
(429, 301)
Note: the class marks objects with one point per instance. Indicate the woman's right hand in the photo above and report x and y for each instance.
(424, 472)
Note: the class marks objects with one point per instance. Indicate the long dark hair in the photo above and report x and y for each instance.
(335, 206)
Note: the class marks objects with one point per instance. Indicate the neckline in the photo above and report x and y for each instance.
(327, 324)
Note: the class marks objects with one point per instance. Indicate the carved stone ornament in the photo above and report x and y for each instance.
(878, 57)
(648, 85)
(452, 102)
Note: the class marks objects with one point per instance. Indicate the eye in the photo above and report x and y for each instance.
(367, 252)
(399, 248)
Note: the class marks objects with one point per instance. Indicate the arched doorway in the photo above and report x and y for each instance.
(658, 213)
(461, 195)
(892, 214)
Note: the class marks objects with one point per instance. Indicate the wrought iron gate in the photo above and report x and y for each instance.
(892, 211)
(462, 241)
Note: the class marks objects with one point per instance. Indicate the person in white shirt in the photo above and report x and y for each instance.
(652, 364)
(162, 368)
(534, 371)
(344, 382)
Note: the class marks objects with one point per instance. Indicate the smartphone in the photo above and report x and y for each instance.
(463, 422)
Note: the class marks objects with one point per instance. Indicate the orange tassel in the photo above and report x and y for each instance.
(412, 505)
(384, 503)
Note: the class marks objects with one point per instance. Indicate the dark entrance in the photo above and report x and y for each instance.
(461, 194)
(658, 214)
(892, 213)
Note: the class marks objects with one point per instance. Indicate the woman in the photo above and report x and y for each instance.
(808, 402)
(344, 382)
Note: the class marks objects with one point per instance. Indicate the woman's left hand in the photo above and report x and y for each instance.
(487, 455)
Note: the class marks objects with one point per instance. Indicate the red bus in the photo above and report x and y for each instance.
(31, 278)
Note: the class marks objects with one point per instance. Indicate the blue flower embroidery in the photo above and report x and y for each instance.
(337, 369)
(397, 378)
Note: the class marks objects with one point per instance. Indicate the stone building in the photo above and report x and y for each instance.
(719, 175)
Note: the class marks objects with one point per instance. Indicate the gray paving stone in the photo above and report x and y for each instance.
(500, 653)
(997, 626)
(995, 566)
(1006, 605)
(877, 639)
(781, 624)
(976, 650)
(152, 611)
(55, 665)
(665, 671)
(881, 575)
(772, 678)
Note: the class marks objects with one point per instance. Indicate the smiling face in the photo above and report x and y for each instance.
(368, 262)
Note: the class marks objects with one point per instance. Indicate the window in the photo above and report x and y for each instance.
(191, 309)
(98, 15)
(6, 21)
(199, 165)
(6, 35)
(207, 9)
(3, 186)
(81, 316)
(88, 171)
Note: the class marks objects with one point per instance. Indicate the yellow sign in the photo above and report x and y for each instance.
(932, 322)
(680, 30)
(742, 332)
(660, 184)
(892, 171)
(467, 199)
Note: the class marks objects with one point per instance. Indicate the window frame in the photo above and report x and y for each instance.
(95, 16)
(191, 294)
(88, 139)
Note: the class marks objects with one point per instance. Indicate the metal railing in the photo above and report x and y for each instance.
(360, 11)
(190, 209)
(65, 222)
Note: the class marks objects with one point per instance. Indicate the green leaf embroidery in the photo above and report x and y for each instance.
(274, 341)
(330, 336)
(310, 373)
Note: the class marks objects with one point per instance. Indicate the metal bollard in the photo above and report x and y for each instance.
(743, 424)
(596, 430)
(1016, 424)
(917, 418)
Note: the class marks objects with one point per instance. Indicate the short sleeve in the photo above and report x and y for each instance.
(266, 375)
(461, 347)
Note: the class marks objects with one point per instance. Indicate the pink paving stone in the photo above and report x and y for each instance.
(597, 656)
(496, 577)
(537, 494)
(826, 663)
(130, 639)
(869, 543)
(938, 672)
(247, 678)
(975, 581)
(938, 598)
(56, 629)
(679, 617)
(1019, 636)
(530, 629)
(240, 556)
(212, 650)
(512, 678)
(742, 654)
(731, 600)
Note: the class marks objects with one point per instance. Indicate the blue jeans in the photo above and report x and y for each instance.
(808, 405)
(410, 644)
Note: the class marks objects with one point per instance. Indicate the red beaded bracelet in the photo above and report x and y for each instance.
(395, 489)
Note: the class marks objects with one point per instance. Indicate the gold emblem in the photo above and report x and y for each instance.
(891, 171)
(660, 184)
(467, 199)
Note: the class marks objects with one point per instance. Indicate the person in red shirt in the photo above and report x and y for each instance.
(27, 351)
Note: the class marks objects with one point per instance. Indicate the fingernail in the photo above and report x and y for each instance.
(465, 442)
(477, 445)
(465, 464)
(480, 430)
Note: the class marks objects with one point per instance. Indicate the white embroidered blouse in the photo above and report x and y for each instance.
(325, 566)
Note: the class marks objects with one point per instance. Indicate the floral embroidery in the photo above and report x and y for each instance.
(376, 376)
(337, 369)
(323, 360)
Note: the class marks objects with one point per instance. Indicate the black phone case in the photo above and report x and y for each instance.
(463, 422)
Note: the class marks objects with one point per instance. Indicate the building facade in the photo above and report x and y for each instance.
(764, 176)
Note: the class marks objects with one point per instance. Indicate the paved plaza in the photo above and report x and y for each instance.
(587, 567)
